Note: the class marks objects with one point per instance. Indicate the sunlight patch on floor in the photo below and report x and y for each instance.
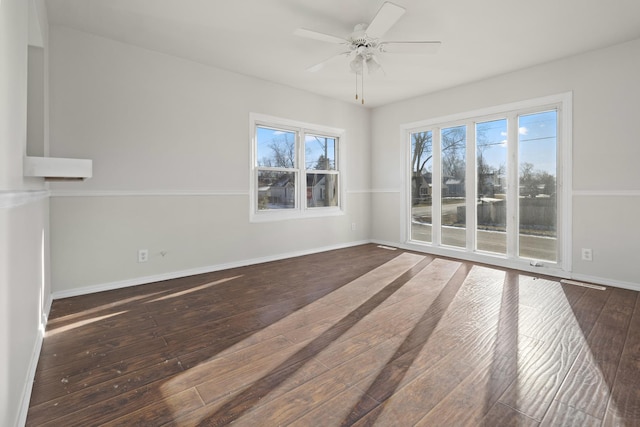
(53, 331)
(90, 311)
(195, 289)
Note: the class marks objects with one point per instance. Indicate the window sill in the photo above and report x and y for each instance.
(284, 215)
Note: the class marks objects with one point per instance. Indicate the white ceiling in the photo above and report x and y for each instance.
(480, 38)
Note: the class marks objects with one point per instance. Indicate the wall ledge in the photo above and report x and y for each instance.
(57, 168)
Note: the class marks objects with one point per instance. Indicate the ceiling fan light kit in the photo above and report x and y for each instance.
(364, 44)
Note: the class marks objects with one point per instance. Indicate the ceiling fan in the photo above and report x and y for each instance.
(364, 44)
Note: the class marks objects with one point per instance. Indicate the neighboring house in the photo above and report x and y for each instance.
(453, 187)
(491, 184)
(316, 190)
(282, 192)
(425, 188)
(279, 194)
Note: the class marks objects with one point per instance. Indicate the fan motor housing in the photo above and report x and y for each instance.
(359, 38)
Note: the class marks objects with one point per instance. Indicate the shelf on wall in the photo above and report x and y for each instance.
(58, 169)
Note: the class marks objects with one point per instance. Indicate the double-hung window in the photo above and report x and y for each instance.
(296, 169)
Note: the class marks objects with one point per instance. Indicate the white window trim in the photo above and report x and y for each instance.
(563, 102)
(300, 211)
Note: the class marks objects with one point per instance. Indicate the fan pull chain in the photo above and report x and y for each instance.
(362, 85)
(356, 86)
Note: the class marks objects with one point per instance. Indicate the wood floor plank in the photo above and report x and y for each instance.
(619, 307)
(410, 402)
(357, 336)
(504, 416)
(561, 414)
(476, 395)
(313, 393)
(541, 375)
(108, 320)
(588, 308)
(361, 289)
(232, 404)
(161, 411)
(624, 404)
(95, 348)
(588, 383)
(417, 377)
(283, 385)
(396, 316)
(73, 409)
(228, 373)
(88, 361)
(344, 409)
(52, 386)
(417, 333)
(480, 377)
(201, 336)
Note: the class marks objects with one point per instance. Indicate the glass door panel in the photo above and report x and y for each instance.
(421, 186)
(491, 180)
(537, 162)
(453, 142)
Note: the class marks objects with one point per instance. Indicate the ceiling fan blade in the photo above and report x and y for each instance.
(303, 32)
(410, 47)
(388, 15)
(320, 65)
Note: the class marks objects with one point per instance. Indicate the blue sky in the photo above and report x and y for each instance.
(314, 146)
(266, 136)
(538, 140)
(537, 137)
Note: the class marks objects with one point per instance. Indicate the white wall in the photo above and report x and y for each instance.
(24, 216)
(24, 295)
(606, 151)
(169, 140)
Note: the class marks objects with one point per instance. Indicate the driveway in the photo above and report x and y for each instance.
(535, 247)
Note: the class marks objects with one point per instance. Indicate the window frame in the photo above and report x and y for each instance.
(562, 103)
(300, 129)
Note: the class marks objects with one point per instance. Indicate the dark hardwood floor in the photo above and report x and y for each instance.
(360, 336)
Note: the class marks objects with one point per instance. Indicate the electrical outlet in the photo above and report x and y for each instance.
(143, 255)
(353, 226)
(587, 254)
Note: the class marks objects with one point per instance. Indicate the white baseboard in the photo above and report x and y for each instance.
(606, 282)
(191, 272)
(28, 387)
(33, 364)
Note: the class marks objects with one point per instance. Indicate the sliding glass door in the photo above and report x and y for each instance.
(488, 185)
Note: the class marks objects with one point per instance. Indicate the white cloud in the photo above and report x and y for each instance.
(503, 134)
(523, 130)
